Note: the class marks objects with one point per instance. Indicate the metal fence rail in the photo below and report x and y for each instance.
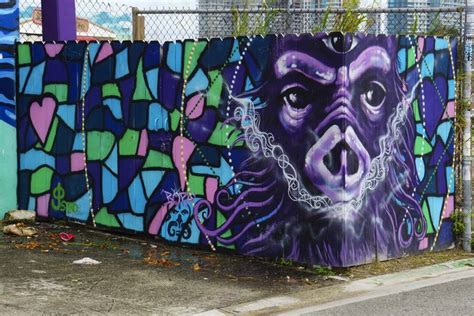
(164, 25)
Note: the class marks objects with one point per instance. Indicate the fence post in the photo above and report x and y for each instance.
(58, 20)
(466, 163)
(138, 25)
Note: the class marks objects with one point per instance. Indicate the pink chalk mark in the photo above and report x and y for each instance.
(42, 205)
(157, 221)
(77, 162)
(181, 156)
(211, 188)
(195, 106)
(53, 49)
(419, 50)
(450, 110)
(143, 146)
(42, 116)
(449, 207)
(423, 244)
(105, 51)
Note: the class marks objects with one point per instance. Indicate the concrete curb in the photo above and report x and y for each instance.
(347, 293)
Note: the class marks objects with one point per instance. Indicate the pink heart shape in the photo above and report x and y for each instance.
(53, 49)
(42, 116)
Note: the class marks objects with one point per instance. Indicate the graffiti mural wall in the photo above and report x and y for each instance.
(325, 149)
(8, 159)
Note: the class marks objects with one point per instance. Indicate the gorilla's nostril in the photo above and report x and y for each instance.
(333, 159)
(352, 162)
(342, 154)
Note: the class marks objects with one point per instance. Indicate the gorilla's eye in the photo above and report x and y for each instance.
(373, 96)
(296, 97)
(339, 43)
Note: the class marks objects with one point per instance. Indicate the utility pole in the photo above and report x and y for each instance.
(466, 163)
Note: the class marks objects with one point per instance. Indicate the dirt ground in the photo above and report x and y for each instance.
(141, 275)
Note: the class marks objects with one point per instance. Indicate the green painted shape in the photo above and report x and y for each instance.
(422, 147)
(51, 135)
(157, 159)
(220, 220)
(24, 55)
(190, 59)
(197, 184)
(426, 213)
(110, 90)
(105, 219)
(219, 138)
(416, 111)
(58, 90)
(41, 180)
(174, 116)
(141, 89)
(99, 145)
(214, 93)
(411, 57)
(8, 166)
(128, 145)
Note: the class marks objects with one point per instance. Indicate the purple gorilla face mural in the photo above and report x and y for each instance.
(339, 160)
(334, 136)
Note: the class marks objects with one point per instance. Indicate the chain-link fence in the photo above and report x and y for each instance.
(96, 20)
(164, 25)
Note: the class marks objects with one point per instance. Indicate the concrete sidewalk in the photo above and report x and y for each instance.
(313, 301)
(136, 276)
(140, 276)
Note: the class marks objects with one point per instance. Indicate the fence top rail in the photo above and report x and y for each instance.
(299, 10)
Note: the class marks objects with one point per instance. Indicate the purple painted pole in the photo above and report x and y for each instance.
(58, 20)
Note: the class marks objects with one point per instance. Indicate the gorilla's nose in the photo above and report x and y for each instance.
(341, 156)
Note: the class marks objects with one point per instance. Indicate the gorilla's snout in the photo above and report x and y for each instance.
(337, 163)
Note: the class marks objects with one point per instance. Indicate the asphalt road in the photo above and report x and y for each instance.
(452, 298)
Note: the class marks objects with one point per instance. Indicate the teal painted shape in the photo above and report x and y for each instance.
(137, 196)
(443, 130)
(32, 203)
(152, 78)
(420, 168)
(223, 171)
(235, 52)
(34, 85)
(115, 107)
(427, 66)
(174, 57)
(23, 74)
(121, 69)
(77, 146)
(83, 211)
(199, 82)
(109, 185)
(436, 204)
(112, 161)
(248, 84)
(158, 118)
(402, 60)
(420, 130)
(441, 43)
(93, 49)
(451, 89)
(132, 222)
(34, 158)
(151, 179)
(450, 181)
(68, 114)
